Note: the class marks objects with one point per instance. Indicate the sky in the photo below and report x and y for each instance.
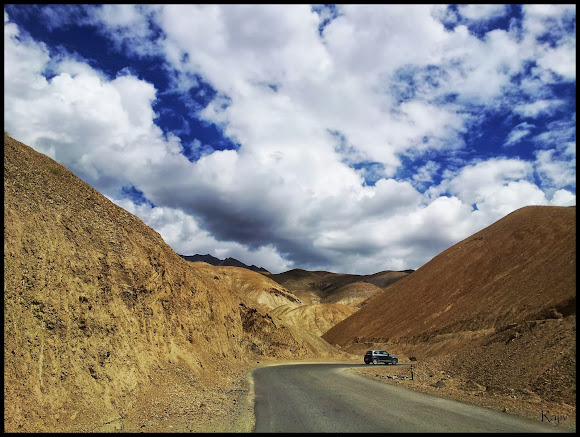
(346, 138)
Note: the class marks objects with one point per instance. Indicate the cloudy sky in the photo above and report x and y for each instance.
(348, 138)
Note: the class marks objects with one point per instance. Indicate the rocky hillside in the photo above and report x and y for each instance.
(326, 298)
(283, 308)
(498, 309)
(98, 311)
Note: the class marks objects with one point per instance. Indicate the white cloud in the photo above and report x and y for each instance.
(306, 111)
(518, 132)
(559, 53)
(561, 60)
(123, 16)
(127, 26)
(539, 107)
(563, 198)
(481, 11)
(425, 173)
(556, 172)
(24, 63)
(497, 187)
(103, 130)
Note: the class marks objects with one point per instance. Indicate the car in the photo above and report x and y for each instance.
(380, 356)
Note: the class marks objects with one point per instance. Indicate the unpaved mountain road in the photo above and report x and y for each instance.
(324, 398)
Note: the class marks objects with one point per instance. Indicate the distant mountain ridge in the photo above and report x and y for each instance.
(327, 282)
(230, 262)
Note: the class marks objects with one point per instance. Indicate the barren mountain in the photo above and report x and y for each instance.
(107, 328)
(523, 267)
(497, 309)
(328, 287)
(327, 298)
(313, 318)
(354, 294)
(251, 287)
(281, 307)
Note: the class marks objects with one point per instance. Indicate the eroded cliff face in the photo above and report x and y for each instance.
(96, 305)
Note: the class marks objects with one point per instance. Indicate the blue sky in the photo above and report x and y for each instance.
(348, 138)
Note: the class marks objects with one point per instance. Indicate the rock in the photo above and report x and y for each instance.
(471, 386)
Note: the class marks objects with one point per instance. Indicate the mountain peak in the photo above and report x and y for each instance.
(229, 261)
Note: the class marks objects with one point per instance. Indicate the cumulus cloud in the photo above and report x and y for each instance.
(495, 188)
(481, 11)
(563, 198)
(551, 24)
(555, 169)
(326, 108)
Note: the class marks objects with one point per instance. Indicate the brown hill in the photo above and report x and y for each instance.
(496, 312)
(321, 286)
(520, 268)
(327, 298)
(314, 318)
(251, 287)
(283, 308)
(354, 294)
(106, 327)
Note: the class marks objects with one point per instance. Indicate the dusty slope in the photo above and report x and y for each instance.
(519, 268)
(105, 327)
(527, 370)
(306, 320)
(315, 318)
(251, 287)
(326, 299)
(306, 323)
(354, 294)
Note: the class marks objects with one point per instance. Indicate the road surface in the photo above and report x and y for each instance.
(324, 398)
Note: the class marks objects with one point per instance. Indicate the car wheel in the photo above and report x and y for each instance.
(394, 362)
(375, 361)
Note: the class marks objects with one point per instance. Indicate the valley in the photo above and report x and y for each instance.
(106, 328)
